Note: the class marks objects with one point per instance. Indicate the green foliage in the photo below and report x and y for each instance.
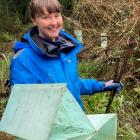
(86, 69)
(126, 104)
(6, 37)
(4, 76)
(129, 115)
(4, 70)
(9, 21)
(20, 8)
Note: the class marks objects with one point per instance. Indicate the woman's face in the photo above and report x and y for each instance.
(49, 24)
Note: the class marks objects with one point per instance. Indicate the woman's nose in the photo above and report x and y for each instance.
(53, 20)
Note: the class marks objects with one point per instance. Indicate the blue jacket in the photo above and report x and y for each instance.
(31, 65)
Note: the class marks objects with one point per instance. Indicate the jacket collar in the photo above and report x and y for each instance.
(65, 44)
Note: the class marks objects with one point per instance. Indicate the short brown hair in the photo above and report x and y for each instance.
(37, 7)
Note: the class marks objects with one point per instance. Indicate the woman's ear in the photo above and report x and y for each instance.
(33, 21)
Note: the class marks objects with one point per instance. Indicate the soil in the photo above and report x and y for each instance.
(4, 136)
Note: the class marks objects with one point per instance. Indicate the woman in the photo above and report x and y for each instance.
(48, 54)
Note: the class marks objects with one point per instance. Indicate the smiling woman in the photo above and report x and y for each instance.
(48, 54)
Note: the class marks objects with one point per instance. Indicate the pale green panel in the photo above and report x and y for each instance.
(68, 132)
(71, 122)
(50, 112)
(31, 110)
(85, 137)
(72, 114)
(106, 126)
(69, 136)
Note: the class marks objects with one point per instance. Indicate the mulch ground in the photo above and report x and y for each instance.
(4, 136)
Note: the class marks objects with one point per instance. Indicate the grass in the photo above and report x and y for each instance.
(126, 104)
(129, 115)
(4, 70)
(4, 76)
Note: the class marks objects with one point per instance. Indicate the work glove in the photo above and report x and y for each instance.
(110, 85)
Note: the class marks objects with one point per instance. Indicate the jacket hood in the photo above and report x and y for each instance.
(18, 45)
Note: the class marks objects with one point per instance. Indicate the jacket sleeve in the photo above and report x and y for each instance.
(21, 73)
(91, 86)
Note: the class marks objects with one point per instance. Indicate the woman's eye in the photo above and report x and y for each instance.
(55, 15)
(58, 15)
(46, 17)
